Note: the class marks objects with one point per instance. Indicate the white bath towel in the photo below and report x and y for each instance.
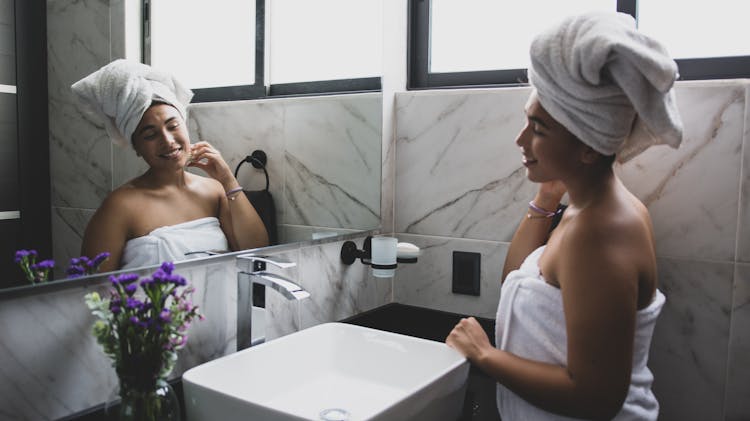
(607, 83)
(183, 241)
(531, 323)
(122, 91)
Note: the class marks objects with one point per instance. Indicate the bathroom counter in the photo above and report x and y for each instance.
(479, 404)
(434, 325)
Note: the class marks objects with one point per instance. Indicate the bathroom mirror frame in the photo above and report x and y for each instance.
(181, 265)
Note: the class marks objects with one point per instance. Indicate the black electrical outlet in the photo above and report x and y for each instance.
(466, 270)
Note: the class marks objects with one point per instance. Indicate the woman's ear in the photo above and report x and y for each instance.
(589, 155)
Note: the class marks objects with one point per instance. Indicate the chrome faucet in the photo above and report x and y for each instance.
(258, 275)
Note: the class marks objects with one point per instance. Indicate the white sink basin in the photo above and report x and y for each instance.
(332, 371)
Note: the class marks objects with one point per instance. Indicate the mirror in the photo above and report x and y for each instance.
(323, 152)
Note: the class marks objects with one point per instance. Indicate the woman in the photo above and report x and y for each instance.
(578, 305)
(166, 213)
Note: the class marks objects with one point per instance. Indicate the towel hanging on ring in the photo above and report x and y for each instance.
(262, 200)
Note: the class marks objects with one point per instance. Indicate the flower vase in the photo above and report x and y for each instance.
(160, 403)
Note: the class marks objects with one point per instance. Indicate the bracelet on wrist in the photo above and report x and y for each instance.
(543, 213)
(232, 194)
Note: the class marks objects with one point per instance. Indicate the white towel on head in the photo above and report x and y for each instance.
(122, 91)
(607, 83)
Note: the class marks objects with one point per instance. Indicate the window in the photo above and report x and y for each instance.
(325, 41)
(241, 49)
(215, 48)
(216, 52)
(707, 42)
(486, 42)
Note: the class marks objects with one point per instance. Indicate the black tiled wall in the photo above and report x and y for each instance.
(7, 43)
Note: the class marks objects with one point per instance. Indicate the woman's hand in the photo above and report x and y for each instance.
(549, 194)
(207, 158)
(468, 338)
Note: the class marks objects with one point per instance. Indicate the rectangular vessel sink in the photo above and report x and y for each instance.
(333, 371)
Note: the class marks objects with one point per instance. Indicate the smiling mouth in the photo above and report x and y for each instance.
(529, 161)
(171, 155)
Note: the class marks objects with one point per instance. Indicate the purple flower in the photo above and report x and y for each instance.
(43, 265)
(20, 254)
(115, 309)
(113, 279)
(165, 316)
(167, 267)
(127, 278)
(75, 271)
(131, 288)
(178, 280)
(98, 260)
(132, 303)
(145, 282)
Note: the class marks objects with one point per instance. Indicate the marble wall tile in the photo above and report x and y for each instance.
(333, 164)
(689, 349)
(738, 371)
(68, 225)
(50, 364)
(337, 291)
(126, 166)
(428, 283)
(302, 137)
(388, 182)
(743, 229)
(692, 193)
(216, 296)
(237, 129)
(78, 43)
(458, 169)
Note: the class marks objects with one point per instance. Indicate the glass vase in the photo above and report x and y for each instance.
(157, 404)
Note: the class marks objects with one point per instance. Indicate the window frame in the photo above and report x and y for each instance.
(259, 90)
(419, 76)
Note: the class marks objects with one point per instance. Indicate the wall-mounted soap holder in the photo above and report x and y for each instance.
(381, 253)
(350, 252)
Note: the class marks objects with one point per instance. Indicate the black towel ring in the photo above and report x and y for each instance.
(258, 159)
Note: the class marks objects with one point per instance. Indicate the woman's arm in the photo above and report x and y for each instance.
(533, 232)
(242, 225)
(107, 231)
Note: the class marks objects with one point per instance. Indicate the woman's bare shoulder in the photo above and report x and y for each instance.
(123, 201)
(611, 234)
(204, 185)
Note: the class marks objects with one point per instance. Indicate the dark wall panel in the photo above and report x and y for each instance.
(9, 182)
(7, 43)
(10, 274)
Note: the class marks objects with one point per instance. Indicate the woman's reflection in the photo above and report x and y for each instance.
(166, 213)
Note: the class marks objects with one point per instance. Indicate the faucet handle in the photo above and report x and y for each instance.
(259, 261)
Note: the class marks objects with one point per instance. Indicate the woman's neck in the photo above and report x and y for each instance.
(590, 186)
(164, 178)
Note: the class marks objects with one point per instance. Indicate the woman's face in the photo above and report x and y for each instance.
(550, 151)
(161, 137)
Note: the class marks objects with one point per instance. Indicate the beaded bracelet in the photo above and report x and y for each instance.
(231, 193)
(545, 213)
